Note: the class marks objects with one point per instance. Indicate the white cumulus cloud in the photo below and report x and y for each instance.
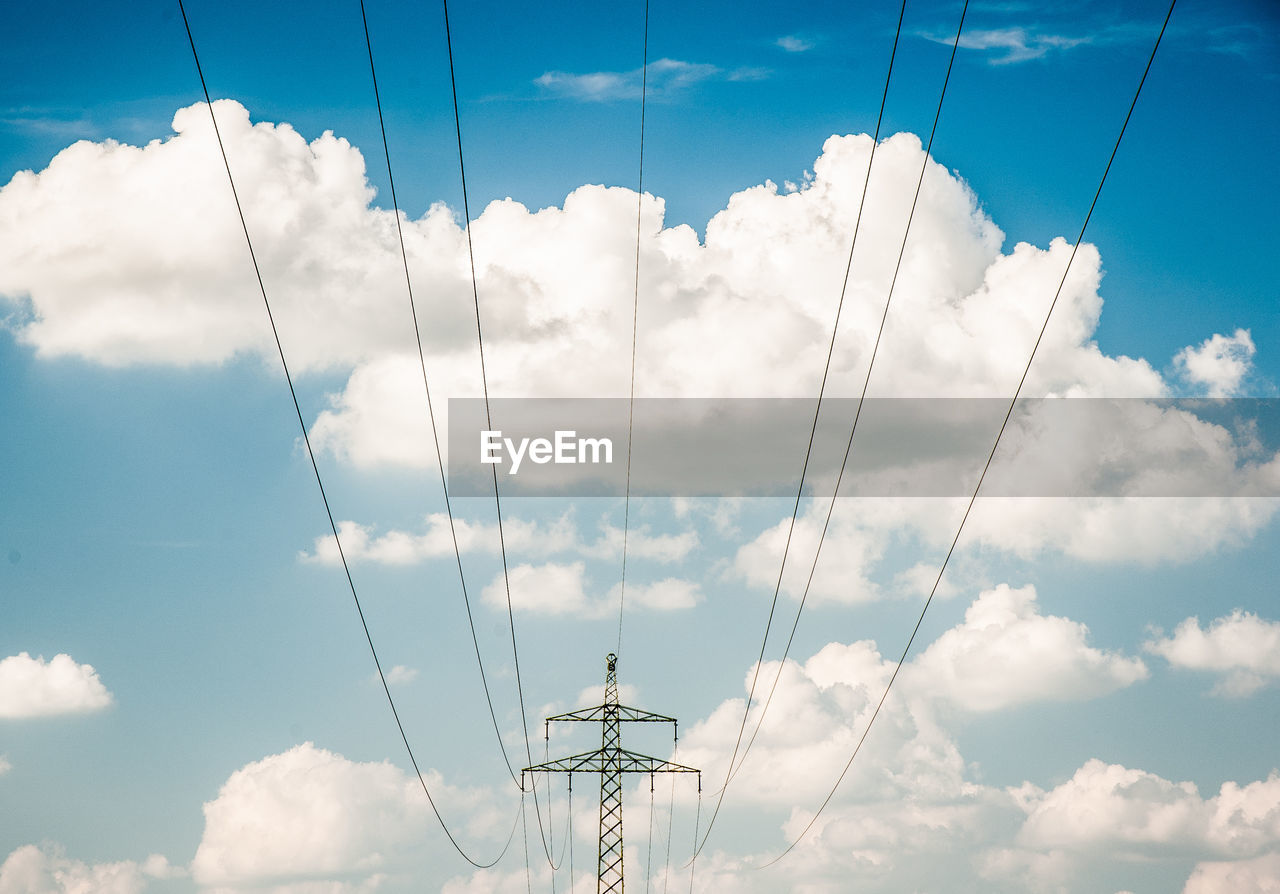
(1122, 809)
(1260, 875)
(1243, 647)
(668, 594)
(814, 720)
(1107, 804)
(1042, 872)
(521, 536)
(309, 820)
(1220, 364)
(401, 674)
(33, 687)
(126, 253)
(553, 588)
(853, 546)
(165, 281)
(123, 255)
(1007, 653)
(46, 869)
(561, 588)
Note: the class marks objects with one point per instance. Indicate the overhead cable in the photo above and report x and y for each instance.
(426, 387)
(924, 164)
(635, 317)
(671, 812)
(817, 410)
(991, 455)
(316, 469)
(484, 382)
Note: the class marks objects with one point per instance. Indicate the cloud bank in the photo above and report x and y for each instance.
(1007, 653)
(33, 687)
(1219, 365)
(308, 815)
(1243, 648)
(45, 869)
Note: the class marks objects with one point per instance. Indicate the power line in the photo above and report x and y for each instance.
(635, 316)
(422, 362)
(648, 860)
(555, 867)
(990, 456)
(863, 396)
(484, 382)
(826, 370)
(671, 808)
(312, 457)
(551, 826)
(568, 832)
(524, 835)
(693, 861)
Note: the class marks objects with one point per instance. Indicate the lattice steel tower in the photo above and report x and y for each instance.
(611, 760)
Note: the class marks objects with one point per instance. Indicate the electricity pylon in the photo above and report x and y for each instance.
(610, 760)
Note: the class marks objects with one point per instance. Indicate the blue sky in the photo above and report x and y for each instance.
(1091, 701)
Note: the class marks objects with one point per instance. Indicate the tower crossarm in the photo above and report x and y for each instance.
(625, 713)
(639, 715)
(606, 760)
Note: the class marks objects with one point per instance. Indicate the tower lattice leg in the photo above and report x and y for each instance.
(610, 864)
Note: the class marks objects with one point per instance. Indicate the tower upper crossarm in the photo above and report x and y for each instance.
(604, 760)
(625, 712)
